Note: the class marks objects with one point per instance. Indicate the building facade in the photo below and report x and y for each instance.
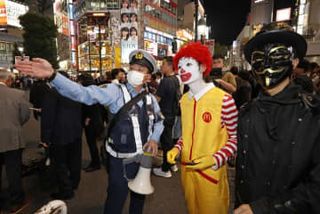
(107, 31)
(10, 30)
(302, 15)
(160, 27)
(93, 39)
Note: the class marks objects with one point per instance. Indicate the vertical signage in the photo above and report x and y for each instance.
(128, 28)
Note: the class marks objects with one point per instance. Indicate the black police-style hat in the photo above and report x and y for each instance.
(276, 33)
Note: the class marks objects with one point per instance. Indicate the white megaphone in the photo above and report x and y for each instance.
(53, 207)
(141, 184)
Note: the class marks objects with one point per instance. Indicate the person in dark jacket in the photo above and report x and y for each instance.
(243, 93)
(61, 131)
(37, 92)
(278, 162)
(168, 96)
(93, 125)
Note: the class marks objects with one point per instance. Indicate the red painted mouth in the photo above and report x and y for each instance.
(185, 77)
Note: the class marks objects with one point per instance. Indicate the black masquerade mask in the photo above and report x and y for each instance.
(271, 64)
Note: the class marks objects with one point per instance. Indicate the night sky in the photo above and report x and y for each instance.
(227, 18)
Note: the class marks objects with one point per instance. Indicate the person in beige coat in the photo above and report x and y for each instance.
(14, 112)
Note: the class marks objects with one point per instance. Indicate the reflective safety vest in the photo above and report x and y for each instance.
(129, 134)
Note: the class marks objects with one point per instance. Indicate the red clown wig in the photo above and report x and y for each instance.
(196, 51)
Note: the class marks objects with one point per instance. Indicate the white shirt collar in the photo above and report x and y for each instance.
(116, 81)
(202, 92)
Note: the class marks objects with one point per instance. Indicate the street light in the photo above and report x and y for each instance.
(196, 8)
(202, 29)
(21, 49)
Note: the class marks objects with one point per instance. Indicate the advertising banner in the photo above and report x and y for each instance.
(151, 47)
(14, 10)
(117, 56)
(128, 28)
(127, 46)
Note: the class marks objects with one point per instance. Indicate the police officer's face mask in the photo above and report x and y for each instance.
(135, 78)
(272, 64)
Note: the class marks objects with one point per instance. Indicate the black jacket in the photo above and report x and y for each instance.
(278, 162)
(93, 112)
(61, 121)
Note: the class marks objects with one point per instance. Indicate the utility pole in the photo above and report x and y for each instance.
(100, 55)
(196, 8)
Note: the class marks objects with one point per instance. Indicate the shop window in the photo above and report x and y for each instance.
(112, 4)
(7, 47)
(2, 47)
(150, 36)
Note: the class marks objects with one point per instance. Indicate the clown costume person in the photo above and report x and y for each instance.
(209, 123)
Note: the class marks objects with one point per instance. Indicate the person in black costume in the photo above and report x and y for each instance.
(278, 162)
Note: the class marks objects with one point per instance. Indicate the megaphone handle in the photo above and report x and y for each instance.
(128, 161)
(125, 173)
(124, 164)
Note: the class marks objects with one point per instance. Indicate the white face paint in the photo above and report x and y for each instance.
(189, 70)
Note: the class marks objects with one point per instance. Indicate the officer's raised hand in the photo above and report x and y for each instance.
(37, 67)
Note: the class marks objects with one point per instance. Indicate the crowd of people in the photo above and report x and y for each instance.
(193, 107)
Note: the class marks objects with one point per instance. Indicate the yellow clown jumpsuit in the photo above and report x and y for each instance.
(206, 191)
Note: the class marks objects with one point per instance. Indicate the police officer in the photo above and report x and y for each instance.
(136, 131)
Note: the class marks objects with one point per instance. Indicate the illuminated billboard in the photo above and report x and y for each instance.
(10, 12)
(283, 14)
(61, 16)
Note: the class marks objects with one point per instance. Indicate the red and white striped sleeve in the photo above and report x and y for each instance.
(229, 119)
(179, 144)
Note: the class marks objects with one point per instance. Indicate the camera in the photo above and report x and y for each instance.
(21, 58)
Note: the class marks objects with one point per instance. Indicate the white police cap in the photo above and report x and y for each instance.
(142, 57)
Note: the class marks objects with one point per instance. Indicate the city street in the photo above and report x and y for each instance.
(89, 198)
(220, 65)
